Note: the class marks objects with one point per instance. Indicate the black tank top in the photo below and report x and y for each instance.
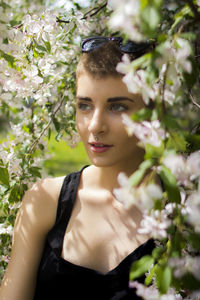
(59, 279)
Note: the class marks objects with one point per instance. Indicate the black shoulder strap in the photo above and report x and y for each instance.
(66, 202)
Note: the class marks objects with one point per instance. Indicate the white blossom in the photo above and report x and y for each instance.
(193, 295)
(136, 80)
(155, 223)
(6, 229)
(193, 210)
(142, 197)
(126, 17)
(147, 293)
(193, 165)
(146, 132)
(152, 293)
(177, 165)
(172, 62)
(177, 56)
(187, 264)
(184, 169)
(69, 109)
(72, 140)
(124, 194)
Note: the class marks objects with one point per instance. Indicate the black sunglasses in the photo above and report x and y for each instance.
(92, 43)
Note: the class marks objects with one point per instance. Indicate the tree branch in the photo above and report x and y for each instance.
(35, 143)
(193, 100)
(62, 21)
(95, 9)
(194, 10)
(92, 12)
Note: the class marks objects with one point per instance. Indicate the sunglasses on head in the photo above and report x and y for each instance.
(92, 43)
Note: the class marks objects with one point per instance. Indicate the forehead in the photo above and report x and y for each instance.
(88, 85)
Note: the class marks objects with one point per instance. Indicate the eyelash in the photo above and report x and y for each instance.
(83, 106)
(119, 105)
(123, 107)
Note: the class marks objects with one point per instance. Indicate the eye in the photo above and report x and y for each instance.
(84, 106)
(118, 107)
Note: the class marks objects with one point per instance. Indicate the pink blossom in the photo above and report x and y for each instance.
(193, 165)
(187, 264)
(147, 293)
(146, 132)
(142, 197)
(193, 210)
(177, 165)
(155, 223)
(124, 194)
(136, 80)
(184, 169)
(152, 293)
(126, 17)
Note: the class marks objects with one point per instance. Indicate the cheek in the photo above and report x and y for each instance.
(81, 126)
(125, 139)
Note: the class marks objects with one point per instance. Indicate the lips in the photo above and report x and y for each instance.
(99, 147)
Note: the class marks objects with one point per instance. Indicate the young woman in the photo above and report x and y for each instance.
(72, 238)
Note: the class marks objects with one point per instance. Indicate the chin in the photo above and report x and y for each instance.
(102, 163)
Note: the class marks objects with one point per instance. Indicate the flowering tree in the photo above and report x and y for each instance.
(169, 133)
(39, 48)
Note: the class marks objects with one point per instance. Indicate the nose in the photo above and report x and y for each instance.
(98, 123)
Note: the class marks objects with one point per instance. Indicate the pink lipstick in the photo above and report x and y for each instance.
(99, 147)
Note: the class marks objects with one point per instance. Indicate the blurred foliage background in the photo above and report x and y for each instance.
(64, 159)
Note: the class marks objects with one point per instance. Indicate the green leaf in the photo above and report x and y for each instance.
(157, 252)
(153, 152)
(14, 194)
(170, 184)
(150, 277)
(177, 141)
(4, 176)
(35, 171)
(56, 124)
(194, 240)
(48, 46)
(41, 146)
(180, 15)
(141, 266)
(150, 16)
(141, 115)
(163, 278)
(139, 174)
(39, 48)
(9, 58)
(191, 78)
(170, 122)
(143, 3)
(194, 141)
(177, 243)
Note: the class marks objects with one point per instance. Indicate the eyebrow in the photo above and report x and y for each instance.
(113, 99)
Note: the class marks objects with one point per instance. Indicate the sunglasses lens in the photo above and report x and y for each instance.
(131, 47)
(92, 44)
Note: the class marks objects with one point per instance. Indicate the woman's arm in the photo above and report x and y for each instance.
(35, 218)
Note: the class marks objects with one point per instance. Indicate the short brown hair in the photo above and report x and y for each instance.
(100, 62)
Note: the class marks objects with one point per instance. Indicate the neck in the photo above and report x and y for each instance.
(106, 177)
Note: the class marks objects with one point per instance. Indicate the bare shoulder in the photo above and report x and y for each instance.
(35, 218)
(39, 204)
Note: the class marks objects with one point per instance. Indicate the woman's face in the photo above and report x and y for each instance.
(100, 104)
